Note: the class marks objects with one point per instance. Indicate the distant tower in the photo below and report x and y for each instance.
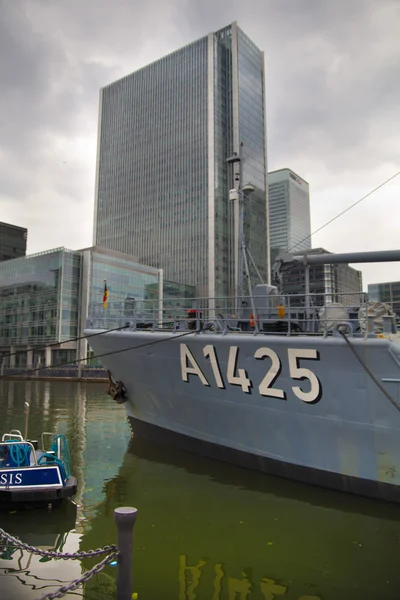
(289, 212)
(12, 241)
(162, 182)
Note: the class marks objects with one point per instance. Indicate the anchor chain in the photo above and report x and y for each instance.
(370, 373)
(116, 389)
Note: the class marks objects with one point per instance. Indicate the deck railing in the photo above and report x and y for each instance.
(312, 314)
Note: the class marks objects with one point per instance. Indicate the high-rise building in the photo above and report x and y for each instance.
(12, 241)
(289, 212)
(162, 181)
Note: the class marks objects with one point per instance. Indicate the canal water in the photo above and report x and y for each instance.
(205, 530)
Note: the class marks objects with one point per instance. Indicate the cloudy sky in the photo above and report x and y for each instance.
(333, 105)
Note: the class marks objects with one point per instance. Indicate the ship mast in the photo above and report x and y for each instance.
(239, 195)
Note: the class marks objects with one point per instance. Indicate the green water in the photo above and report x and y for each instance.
(205, 530)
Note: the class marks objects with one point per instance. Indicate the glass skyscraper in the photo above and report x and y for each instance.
(289, 213)
(162, 182)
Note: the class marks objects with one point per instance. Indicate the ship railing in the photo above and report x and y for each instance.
(49, 436)
(288, 314)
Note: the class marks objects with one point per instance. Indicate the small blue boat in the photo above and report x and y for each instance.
(33, 476)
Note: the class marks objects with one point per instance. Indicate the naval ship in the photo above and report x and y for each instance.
(289, 385)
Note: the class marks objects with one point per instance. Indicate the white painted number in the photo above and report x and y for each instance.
(194, 369)
(238, 376)
(296, 372)
(241, 378)
(265, 388)
(209, 352)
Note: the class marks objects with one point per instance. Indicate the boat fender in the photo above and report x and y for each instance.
(346, 326)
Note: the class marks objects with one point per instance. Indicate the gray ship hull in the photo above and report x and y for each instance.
(299, 407)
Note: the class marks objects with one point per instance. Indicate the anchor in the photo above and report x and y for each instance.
(116, 389)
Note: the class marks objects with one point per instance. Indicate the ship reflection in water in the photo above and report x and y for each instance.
(208, 530)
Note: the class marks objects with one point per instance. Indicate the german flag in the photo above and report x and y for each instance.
(105, 295)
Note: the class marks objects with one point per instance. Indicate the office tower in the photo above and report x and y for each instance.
(327, 283)
(12, 241)
(289, 212)
(162, 181)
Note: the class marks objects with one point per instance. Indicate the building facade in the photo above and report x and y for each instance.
(46, 298)
(131, 286)
(388, 292)
(289, 212)
(39, 303)
(328, 283)
(162, 182)
(12, 241)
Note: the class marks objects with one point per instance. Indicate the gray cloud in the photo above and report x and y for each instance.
(48, 114)
(333, 92)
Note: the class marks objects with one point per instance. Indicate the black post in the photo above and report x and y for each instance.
(125, 518)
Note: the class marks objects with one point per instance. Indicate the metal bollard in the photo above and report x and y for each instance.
(388, 324)
(371, 324)
(125, 518)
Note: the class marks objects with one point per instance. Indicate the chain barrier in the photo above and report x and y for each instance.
(111, 551)
(50, 554)
(125, 518)
(73, 585)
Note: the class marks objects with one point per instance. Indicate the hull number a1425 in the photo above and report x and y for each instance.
(309, 391)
